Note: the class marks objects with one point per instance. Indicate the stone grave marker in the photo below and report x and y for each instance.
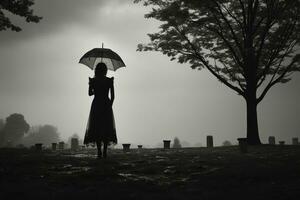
(126, 147)
(243, 145)
(61, 145)
(38, 146)
(209, 141)
(74, 144)
(295, 141)
(167, 144)
(272, 140)
(54, 146)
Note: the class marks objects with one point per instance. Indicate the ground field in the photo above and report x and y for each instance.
(266, 172)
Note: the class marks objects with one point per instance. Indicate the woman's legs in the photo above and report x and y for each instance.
(105, 149)
(99, 144)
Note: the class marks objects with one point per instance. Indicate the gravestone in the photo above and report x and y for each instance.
(295, 141)
(140, 146)
(61, 145)
(74, 144)
(272, 140)
(209, 141)
(243, 145)
(126, 147)
(54, 145)
(167, 144)
(38, 146)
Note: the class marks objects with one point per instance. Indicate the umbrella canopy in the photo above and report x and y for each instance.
(112, 60)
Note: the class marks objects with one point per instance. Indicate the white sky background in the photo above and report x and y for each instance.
(156, 99)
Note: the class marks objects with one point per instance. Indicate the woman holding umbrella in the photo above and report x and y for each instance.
(101, 127)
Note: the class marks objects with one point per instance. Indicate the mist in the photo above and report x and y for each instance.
(156, 99)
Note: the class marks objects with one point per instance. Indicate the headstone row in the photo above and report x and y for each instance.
(295, 141)
(166, 144)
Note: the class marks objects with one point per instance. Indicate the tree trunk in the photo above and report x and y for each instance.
(252, 125)
(250, 94)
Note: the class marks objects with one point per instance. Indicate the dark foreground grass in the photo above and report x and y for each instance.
(266, 172)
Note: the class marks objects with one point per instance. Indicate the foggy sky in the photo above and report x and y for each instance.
(156, 99)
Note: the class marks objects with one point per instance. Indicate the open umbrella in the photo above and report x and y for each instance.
(112, 60)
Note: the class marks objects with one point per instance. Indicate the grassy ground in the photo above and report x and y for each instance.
(266, 172)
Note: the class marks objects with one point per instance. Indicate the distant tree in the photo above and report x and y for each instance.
(16, 7)
(176, 143)
(227, 143)
(248, 45)
(45, 134)
(14, 129)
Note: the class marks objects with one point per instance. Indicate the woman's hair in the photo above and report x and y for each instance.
(101, 70)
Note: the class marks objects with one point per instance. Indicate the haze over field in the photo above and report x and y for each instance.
(156, 99)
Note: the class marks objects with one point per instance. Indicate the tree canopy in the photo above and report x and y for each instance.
(230, 38)
(20, 8)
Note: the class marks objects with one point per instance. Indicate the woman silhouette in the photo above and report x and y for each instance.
(101, 124)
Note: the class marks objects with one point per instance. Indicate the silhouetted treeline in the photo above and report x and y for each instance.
(45, 134)
(15, 130)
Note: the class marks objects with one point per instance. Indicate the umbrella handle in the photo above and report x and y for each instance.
(102, 52)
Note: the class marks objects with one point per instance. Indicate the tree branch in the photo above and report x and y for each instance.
(237, 21)
(284, 37)
(277, 80)
(243, 12)
(204, 62)
(230, 27)
(234, 77)
(235, 57)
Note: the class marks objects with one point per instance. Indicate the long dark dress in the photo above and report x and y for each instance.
(101, 123)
